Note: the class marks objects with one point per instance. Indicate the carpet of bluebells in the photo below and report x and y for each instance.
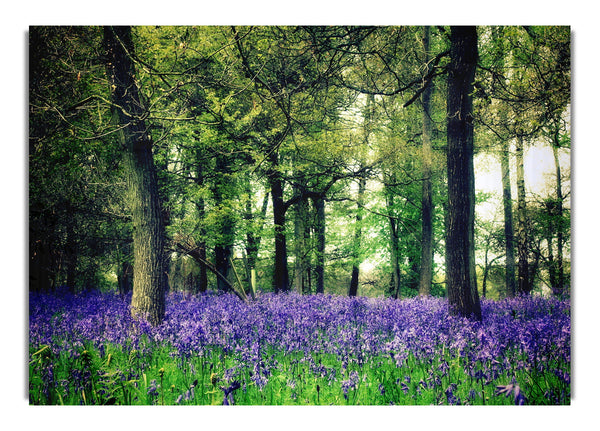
(290, 349)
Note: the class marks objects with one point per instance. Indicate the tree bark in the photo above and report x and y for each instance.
(149, 276)
(461, 280)
(426, 270)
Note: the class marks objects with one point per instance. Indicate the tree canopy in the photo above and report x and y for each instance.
(307, 158)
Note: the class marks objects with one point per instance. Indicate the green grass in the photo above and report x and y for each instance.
(120, 376)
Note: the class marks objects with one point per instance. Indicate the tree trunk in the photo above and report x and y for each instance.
(551, 265)
(124, 268)
(71, 253)
(426, 270)
(508, 220)
(224, 244)
(461, 279)
(523, 285)
(395, 291)
(254, 225)
(202, 284)
(356, 260)
(300, 246)
(280, 272)
(319, 204)
(559, 218)
(149, 277)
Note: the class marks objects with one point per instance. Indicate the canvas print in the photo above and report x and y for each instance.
(299, 215)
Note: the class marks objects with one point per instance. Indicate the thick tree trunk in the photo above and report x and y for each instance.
(426, 270)
(353, 289)
(524, 285)
(461, 280)
(149, 276)
(508, 221)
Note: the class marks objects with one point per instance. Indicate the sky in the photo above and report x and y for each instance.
(540, 177)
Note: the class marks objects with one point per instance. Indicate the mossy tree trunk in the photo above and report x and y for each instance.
(149, 276)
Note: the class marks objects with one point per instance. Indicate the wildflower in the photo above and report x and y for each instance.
(472, 394)
(153, 389)
(350, 383)
(228, 393)
(513, 389)
(189, 394)
(450, 397)
(519, 397)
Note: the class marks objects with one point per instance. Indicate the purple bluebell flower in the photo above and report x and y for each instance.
(153, 388)
(228, 393)
(512, 389)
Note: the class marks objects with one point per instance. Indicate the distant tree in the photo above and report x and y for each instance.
(356, 254)
(529, 90)
(461, 278)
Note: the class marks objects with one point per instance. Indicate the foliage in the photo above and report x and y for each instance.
(231, 109)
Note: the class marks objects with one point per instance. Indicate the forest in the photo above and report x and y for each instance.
(299, 215)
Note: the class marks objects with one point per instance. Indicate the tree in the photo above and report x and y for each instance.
(529, 89)
(524, 283)
(461, 278)
(499, 62)
(249, 120)
(556, 209)
(356, 254)
(149, 277)
(508, 220)
(426, 273)
(78, 228)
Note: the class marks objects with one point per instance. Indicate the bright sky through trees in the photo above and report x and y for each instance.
(540, 176)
